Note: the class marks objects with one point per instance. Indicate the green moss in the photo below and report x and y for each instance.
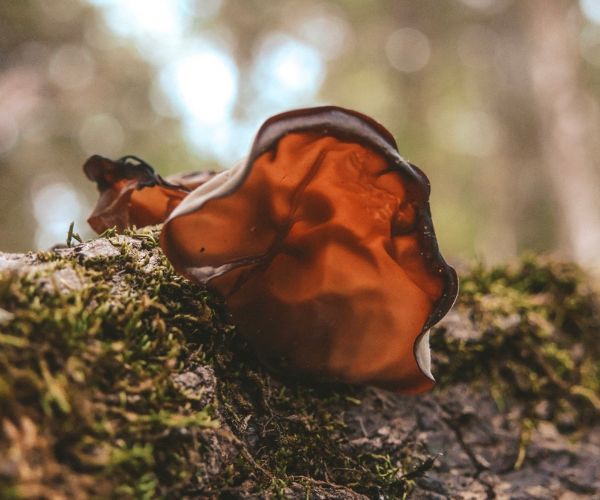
(537, 324)
(92, 366)
(97, 351)
(303, 435)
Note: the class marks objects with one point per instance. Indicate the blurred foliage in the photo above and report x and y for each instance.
(454, 81)
(68, 88)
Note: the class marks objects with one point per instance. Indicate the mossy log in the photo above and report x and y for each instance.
(118, 378)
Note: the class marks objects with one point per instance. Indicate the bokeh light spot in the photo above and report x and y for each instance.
(328, 33)
(591, 10)
(71, 67)
(486, 5)
(202, 84)
(408, 50)
(143, 17)
(287, 70)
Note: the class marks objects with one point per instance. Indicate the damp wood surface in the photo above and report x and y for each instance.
(118, 378)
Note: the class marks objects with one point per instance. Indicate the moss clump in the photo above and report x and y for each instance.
(533, 336)
(91, 348)
(298, 436)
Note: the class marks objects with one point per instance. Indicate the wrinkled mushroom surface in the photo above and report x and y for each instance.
(132, 194)
(323, 247)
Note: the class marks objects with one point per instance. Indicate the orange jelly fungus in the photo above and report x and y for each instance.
(323, 247)
(132, 194)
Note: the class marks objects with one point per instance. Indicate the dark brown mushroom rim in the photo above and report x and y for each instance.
(133, 194)
(323, 246)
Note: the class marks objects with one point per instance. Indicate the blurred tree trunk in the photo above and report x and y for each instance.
(567, 126)
(515, 187)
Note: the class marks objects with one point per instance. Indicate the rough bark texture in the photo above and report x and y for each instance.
(118, 378)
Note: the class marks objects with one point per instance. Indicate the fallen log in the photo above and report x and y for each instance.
(120, 378)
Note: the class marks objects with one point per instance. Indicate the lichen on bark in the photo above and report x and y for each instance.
(120, 378)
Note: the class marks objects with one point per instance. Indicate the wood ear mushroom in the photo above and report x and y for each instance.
(133, 194)
(323, 247)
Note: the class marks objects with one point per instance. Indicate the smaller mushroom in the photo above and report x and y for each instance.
(133, 194)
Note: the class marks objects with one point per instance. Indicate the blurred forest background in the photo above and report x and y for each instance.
(497, 100)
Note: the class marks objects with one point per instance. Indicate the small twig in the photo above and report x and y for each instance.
(524, 440)
(72, 235)
(362, 427)
(588, 394)
(422, 468)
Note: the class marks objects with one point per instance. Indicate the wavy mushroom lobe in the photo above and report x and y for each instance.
(323, 248)
(133, 194)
